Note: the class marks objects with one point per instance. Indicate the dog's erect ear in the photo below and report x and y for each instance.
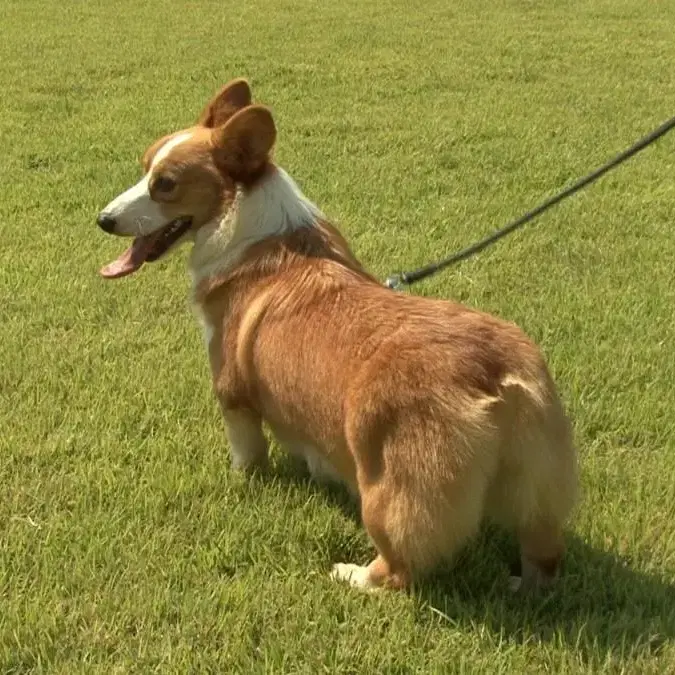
(234, 96)
(243, 145)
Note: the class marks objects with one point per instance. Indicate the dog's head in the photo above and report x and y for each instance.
(191, 178)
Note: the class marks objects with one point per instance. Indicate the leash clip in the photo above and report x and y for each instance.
(394, 282)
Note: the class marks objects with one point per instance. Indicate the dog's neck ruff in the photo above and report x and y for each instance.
(272, 207)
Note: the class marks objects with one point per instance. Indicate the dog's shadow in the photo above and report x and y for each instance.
(600, 607)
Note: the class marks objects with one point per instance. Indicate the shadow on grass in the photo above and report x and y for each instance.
(600, 606)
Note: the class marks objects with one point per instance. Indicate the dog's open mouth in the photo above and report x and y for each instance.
(147, 249)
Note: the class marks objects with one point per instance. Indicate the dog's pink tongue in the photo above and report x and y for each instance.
(131, 260)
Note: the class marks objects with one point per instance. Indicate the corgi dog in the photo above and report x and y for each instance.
(436, 416)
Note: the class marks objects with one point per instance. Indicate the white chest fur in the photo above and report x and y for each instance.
(274, 206)
(207, 327)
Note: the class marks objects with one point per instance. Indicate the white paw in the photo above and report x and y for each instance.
(515, 583)
(319, 469)
(354, 575)
(247, 461)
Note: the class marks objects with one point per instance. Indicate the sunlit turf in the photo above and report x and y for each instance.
(126, 542)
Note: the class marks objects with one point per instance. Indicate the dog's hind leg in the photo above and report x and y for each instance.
(422, 486)
(535, 506)
(414, 529)
(389, 569)
(381, 513)
(536, 488)
(541, 551)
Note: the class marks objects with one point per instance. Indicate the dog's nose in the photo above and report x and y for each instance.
(106, 222)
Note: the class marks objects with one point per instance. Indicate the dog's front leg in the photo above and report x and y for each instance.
(248, 445)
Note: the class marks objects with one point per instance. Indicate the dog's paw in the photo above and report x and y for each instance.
(249, 464)
(319, 469)
(515, 584)
(355, 575)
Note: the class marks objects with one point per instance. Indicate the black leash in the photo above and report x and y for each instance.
(407, 278)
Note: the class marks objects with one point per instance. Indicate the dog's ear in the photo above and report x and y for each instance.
(234, 96)
(243, 145)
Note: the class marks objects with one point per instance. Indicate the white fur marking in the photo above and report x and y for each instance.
(319, 468)
(208, 334)
(207, 328)
(135, 211)
(354, 575)
(515, 583)
(248, 446)
(274, 206)
(164, 151)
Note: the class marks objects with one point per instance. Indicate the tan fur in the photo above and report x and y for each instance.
(436, 415)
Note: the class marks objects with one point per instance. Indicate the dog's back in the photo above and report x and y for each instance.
(438, 415)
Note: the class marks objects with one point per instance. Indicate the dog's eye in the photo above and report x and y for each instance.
(164, 184)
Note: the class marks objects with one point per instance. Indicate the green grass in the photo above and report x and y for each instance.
(126, 542)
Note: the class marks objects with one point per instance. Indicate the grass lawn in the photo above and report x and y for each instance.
(126, 542)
